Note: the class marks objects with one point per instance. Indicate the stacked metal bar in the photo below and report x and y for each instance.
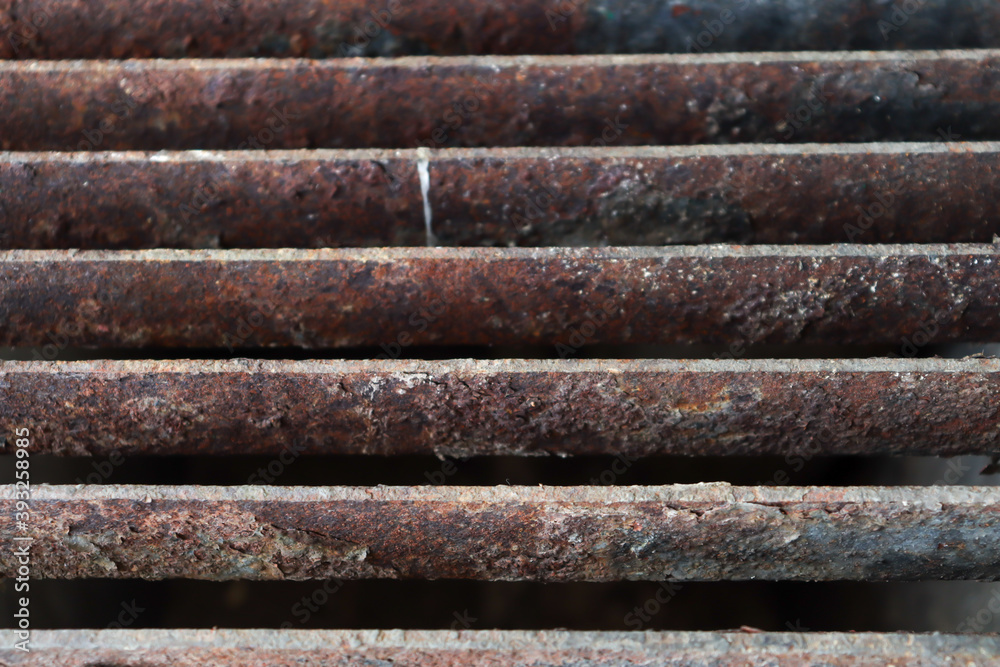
(238, 204)
(270, 648)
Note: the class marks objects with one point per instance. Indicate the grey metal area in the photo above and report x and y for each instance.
(702, 532)
(417, 648)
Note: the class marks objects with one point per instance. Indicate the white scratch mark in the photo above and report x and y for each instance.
(423, 169)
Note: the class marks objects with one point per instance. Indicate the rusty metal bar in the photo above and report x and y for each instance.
(517, 648)
(466, 408)
(336, 298)
(331, 28)
(685, 533)
(200, 199)
(887, 192)
(500, 101)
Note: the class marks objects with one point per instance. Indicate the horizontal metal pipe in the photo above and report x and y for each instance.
(591, 533)
(500, 101)
(886, 192)
(466, 408)
(331, 28)
(518, 648)
(842, 294)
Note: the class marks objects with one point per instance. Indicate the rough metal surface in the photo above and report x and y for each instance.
(331, 28)
(430, 648)
(686, 533)
(805, 193)
(466, 408)
(337, 298)
(199, 199)
(499, 101)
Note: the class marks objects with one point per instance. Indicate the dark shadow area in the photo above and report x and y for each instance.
(774, 606)
(491, 471)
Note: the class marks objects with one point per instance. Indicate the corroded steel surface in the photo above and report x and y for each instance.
(335, 298)
(887, 192)
(591, 533)
(203, 200)
(465, 408)
(331, 28)
(499, 101)
(432, 648)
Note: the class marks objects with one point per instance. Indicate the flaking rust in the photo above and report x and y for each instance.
(340, 28)
(591, 196)
(502, 101)
(464, 408)
(338, 298)
(592, 533)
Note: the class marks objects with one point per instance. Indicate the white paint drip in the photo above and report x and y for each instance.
(423, 169)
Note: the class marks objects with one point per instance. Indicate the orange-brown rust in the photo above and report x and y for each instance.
(594, 533)
(337, 28)
(466, 408)
(498, 101)
(899, 193)
(737, 295)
